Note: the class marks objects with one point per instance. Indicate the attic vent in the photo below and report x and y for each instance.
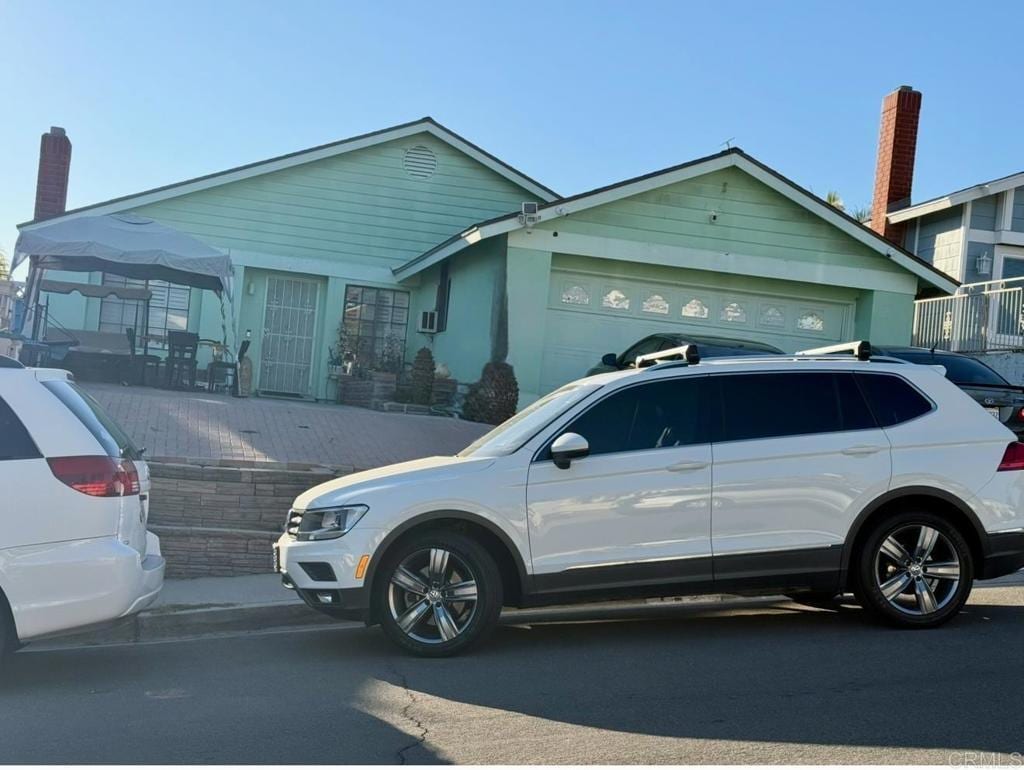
(420, 162)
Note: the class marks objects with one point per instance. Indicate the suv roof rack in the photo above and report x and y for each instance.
(9, 363)
(684, 355)
(861, 349)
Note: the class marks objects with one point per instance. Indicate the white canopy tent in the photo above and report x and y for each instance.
(128, 245)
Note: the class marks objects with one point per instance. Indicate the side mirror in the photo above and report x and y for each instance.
(568, 447)
(610, 359)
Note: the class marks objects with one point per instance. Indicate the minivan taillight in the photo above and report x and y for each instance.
(1013, 458)
(97, 475)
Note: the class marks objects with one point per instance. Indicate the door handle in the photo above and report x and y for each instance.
(694, 465)
(862, 449)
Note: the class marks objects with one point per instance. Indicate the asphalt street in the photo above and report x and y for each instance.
(764, 682)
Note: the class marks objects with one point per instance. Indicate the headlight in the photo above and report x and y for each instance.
(329, 523)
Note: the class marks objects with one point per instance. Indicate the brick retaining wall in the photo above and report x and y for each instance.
(220, 521)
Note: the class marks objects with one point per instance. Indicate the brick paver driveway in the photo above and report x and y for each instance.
(196, 425)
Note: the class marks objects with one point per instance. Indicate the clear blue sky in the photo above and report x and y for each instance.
(575, 94)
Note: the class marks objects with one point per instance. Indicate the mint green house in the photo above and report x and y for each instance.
(413, 236)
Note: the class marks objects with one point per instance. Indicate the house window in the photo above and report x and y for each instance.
(655, 303)
(168, 308)
(810, 322)
(616, 300)
(734, 312)
(375, 325)
(574, 294)
(694, 309)
(772, 316)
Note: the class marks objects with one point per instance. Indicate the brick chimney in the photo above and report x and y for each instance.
(54, 166)
(897, 145)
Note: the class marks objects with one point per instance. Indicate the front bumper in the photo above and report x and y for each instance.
(323, 572)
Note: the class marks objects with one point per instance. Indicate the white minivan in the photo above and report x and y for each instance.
(74, 549)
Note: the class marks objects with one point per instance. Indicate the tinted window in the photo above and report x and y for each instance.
(892, 399)
(853, 409)
(15, 442)
(650, 416)
(771, 405)
(112, 438)
(642, 348)
(962, 370)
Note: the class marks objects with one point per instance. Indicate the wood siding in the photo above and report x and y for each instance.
(361, 207)
(1017, 221)
(939, 240)
(983, 213)
(749, 219)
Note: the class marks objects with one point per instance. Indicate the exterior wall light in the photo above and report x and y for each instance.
(983, 264)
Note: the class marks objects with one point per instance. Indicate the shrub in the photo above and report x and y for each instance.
(423, 377)
(494, 398)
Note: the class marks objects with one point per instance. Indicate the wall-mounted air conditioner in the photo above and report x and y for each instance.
(428, 322)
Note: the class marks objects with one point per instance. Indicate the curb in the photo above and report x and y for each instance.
(172, 623)
(194, 622)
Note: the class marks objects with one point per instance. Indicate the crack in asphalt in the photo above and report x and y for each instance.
(407, 715)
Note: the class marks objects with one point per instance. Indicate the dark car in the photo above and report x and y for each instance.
(710, 347)
(982, 383)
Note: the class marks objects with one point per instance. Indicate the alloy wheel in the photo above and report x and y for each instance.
(432, 596)
(917, 570)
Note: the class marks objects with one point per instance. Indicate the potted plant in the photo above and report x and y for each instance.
(339, 354)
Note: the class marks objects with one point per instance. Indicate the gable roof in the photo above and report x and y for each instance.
(952, 199)
(423, 125)
(731, 158)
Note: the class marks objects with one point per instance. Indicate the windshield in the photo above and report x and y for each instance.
(962, 370)
(518, 429)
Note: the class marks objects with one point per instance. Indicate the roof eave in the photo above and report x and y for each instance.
(956, 198)
(732, 157)
(302, 157)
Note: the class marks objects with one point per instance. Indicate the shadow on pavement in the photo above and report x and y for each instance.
(774, 673)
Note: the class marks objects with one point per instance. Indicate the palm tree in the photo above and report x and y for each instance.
(861, 213)
(832, 199)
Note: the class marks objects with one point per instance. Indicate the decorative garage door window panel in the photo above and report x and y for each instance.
(697, 307)
(592, 314)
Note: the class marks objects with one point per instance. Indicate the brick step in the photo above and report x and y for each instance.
(220, 521)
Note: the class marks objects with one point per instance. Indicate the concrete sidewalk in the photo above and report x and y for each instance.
(198, 607)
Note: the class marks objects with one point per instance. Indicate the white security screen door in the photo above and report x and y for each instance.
(289, 325)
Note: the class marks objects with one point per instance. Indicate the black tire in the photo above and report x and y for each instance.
(924, 585)
(8, 635)
(446, 626)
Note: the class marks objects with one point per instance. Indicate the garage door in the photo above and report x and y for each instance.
(590, 315)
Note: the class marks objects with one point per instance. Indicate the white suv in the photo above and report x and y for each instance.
(807, 476)
(74, 550)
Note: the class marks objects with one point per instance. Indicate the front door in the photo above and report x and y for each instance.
(286, 356)
(637, 509)
(797, 456)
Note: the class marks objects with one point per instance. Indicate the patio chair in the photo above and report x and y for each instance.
(180, 363)
(140, 364)
(226, 372)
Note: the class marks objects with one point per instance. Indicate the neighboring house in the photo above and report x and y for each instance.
(379, 229)
(975, 234)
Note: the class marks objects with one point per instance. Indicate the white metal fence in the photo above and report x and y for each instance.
(979, 318)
